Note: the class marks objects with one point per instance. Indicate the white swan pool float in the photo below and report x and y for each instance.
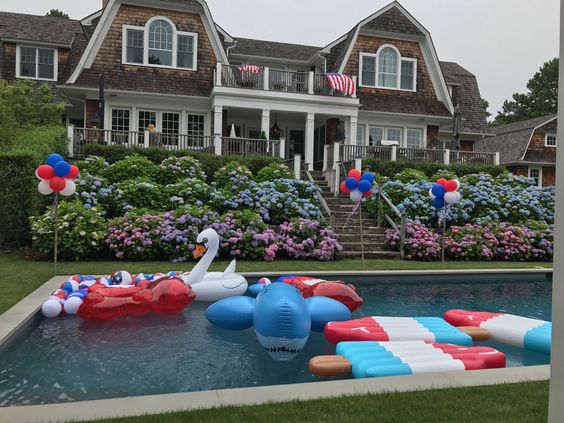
(213, 286)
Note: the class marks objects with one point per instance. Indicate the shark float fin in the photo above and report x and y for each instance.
(232, 313)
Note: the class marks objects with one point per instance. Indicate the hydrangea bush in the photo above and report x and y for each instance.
(274, 171)
(94, 165)
(233, 177)
(176, 169)
(131, 167)
(304, 238)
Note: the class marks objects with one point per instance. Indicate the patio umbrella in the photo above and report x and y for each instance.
(456, 128)
(232, 134)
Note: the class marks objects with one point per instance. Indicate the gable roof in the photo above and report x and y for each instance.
(467, 95)
(272, 49)
(33, 28)
(393, 20)
(512, 140)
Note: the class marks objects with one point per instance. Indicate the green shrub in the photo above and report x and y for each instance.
(443, 173)
(189, 192)
(274, 171)
(81, 231)
(130, 168)
(389, 169)
(93, 165)
(410, 175)
(233, 177)
(139, 193)
(175, 169)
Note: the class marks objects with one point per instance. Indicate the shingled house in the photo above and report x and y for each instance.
(168, 64)
(526, 148)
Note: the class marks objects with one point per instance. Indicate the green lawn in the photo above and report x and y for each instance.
(524, 402)
(19, 277)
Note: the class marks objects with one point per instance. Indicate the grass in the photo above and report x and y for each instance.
(523, 402)
(19, 277)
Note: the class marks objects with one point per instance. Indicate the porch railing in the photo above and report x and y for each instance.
(249, 147)
(294, 82)
(474, 158)
(233, 76)
(351, 152)
(421, 155)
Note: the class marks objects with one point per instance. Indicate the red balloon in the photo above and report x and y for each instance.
(355, 173)
(165, 295)
(45, 172)
(57, 183)
(344, 188)
(369, 193)
(451, 186)
(73, 172)
(442, 182)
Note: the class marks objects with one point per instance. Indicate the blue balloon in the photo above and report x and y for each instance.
(438, 190)
(368, 177)
(351, 183)
(439, 202)
(53, 159)
(62, 169)
(364, 186)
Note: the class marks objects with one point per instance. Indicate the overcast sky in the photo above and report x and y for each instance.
(503, 42)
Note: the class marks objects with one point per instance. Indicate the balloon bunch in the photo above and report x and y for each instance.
(445, 192)
(358, 186)
(56, 176)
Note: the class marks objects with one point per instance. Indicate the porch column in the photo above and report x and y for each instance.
(70, 140)
(265, 123)
(352, 122)
(309, 139)
(217, 128)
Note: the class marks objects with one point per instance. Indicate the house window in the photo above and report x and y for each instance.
(536, 174)
(394, 71)
(375, 135)
(360, 135)
(120, 124)
(159, 43)
(378, 133)
(170, 128)
(36, 63)
(414, 138)
(550, 140)
(393, 134)
(196, 128)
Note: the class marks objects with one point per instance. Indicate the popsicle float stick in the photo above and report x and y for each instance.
(477, 334)
(330, 365)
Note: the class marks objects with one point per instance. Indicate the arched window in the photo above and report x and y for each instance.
(159, 43)
(388, 68)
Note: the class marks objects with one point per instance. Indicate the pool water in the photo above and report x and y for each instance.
(68, 359)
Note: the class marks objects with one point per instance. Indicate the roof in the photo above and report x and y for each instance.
(261, 48)
(467, 95)
(18, 26)
(338, 52)
(512, 141)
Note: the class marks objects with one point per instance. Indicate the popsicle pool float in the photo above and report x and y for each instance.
(524, 332)
(378, 359)
(384, 328)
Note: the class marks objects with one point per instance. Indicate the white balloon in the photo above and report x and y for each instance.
(70, 188)
(452, 197)
(431, 194)
(72, 304)
(51, 307)
(356, 196)
(457, 184)
(44, 188)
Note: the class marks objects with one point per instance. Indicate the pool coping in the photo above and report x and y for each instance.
(20, 315)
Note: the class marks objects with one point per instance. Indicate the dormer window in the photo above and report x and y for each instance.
(387, 69)
(158, 43)
(36, 63)
(550, 140)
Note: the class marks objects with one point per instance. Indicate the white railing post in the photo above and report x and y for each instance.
(283, 147)
(496, 158)
(446, 159)
(325, 148)
(218, 74)
(266, 78)
(310, 83)
(354, 82)
(394, 154)
(358, 163)
(146, 138)
(70, 140)
(336, 154)
(217, 144)
(298, 166)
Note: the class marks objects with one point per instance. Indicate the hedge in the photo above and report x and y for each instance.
(18, 192)
(389, 169)
(210, 163)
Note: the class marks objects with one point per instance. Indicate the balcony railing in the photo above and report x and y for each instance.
(267, 79)
(78, 138)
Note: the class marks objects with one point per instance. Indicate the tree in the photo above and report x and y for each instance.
(540, 100)
(56, 13)
(485, 104)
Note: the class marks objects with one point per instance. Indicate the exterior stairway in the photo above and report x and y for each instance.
(349, 235)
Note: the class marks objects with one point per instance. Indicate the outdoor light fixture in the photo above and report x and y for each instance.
(275, 130)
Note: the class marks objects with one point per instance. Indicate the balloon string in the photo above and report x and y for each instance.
(351, 214)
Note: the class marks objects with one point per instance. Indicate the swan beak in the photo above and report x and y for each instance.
(199, 251)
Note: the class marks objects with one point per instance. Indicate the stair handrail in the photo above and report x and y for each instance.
(320, 198)
(401, 214)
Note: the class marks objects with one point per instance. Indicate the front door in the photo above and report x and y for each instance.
(297, 143)
(318, 147)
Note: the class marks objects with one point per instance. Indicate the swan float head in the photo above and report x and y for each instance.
(213, 286)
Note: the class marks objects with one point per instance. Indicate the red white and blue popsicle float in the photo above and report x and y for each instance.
(524, 332)
(384, 328)
(377, 359)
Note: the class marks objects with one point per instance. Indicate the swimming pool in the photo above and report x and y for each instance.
(61, 360)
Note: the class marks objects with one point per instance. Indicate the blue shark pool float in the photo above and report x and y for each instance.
(282, 318)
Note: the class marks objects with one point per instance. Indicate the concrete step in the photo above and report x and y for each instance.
(369, 237)
(368, 246)
(393, 255)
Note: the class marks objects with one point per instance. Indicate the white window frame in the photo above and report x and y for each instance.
(540, 174)
(401, 59)
(420, 139)
(175, 34)
(546, 144)
(36, 77)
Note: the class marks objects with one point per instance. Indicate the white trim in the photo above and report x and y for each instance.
(533, 133)
(36, 77)
(87, 21)
(529, 168)
(376, 57)
(550, 134)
